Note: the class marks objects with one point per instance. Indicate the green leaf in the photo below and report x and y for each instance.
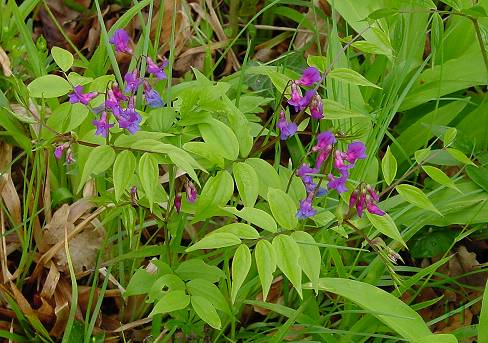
(221, 137)
(124, 168)
(240, 268)
(438, 176)
(206, 289)
(449, 136)
(241, 230)
(182, 162)
(67, 117)
(283, 208)
(460, 156)
(476, 11)
(206, 151)
(268, 176)
(350, 76)
(63, 58)
(287, 257)
(149, 176)
(247, 182)
(386, 226)
(479, 175)
(383, 12)
(214, 241)
(310, 259)
(99, 160)
(217, 191)
(335, 111)
(416, 197)
(391, 311)
(483, 320)
(206, 311)
(169, 282)
(438, 338)
(319, 62)
(255, 216)
(171, 301)
(422, 155)
(389, 166)
(266, 264)
(140, 283)
(49, 86)
(197, 269)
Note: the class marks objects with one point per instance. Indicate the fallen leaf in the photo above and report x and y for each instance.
(5, 63)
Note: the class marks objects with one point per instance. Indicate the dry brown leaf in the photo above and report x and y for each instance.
(84, 239)
(51, 282)
(464, 262)
(5, 63)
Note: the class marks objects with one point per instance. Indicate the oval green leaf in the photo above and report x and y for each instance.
(214, 241)
(149, 175)
(99, 160)
(240, 268)
(287, 258)
(49, 86)
(124, 168)
(416, 197)
(389, 166)
(206, 311)
(283, 208)
(386, 226)
(241, 230)
(247, 183)
(171, 301)
(266, 264)
(63, 58)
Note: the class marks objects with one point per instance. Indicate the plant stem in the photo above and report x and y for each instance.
(480, 41)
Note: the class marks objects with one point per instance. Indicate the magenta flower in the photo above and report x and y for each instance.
(306, 210)
(296, 96)
(120, 40)
(58, 151)
(339, 162)
(132, 81)
(79, 96)
(338, 183)
(156, 70)
(152, 97)
(129, 119)
(102, 125)
(307, 98)
(365, 197)
(287, 129)
(325, 140)
(304, 173)
(178, 202)
(191, 192)
(310, 76)
(355, 151)
(316, 107)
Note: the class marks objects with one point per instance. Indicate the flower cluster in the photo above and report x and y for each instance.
(121, 104)
(311, 99)
(337, 177)
(365, 197)
(59, 151)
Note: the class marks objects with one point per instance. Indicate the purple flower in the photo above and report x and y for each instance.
(303, 172)
(178, 202)
(363, 197)
(156, 70)
(287, 129)
(307, 98)
(373, 208)
(316, 107)
(120, 40)
(133, 81)
(79, 96)
(129, 119)
(191, 192)
(355, 151)
(152, 97)
(339, 162)
(338, 183)
(309, 77)
(102, 125)
(306, 210)
(296, 96)
(324, 140)
(58, 151)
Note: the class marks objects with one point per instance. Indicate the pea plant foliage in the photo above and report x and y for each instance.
(193, 161)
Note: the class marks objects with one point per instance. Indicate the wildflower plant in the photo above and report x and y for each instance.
(169, 157)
